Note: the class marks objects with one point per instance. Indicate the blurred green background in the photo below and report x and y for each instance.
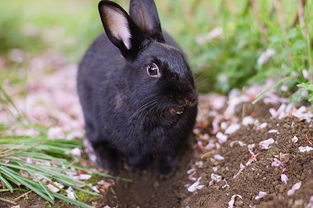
(223, 38)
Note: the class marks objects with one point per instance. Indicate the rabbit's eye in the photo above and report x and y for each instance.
(153, 70)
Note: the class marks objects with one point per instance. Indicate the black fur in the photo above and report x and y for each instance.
(129, 116)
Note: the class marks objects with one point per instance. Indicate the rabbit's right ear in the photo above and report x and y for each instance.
(119, 27)
(144, 13)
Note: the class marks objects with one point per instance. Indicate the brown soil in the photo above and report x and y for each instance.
(147, 191)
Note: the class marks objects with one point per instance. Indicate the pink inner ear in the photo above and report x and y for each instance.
(118, 25)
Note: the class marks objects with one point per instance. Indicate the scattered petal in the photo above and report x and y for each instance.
(295, 139)
(70, 193)
(294, 188)
(263, 126)
(84, 177)
(222, 138)
(273, 131)
(310, 205)
(266, 143)
(284, 178)
(218, 157)
(277, 163)
(247, 120)
(231, 203)
(232, 129)
(260, 195)
(53, 188)
(305, 149)
(195, 186)
(241, 144)
(242, 166)
(76, 152)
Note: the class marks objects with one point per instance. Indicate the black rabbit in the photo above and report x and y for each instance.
(136, 90)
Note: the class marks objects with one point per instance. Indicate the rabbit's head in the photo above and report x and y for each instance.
(156, 73)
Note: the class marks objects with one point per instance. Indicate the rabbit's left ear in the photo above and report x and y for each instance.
(144, 13)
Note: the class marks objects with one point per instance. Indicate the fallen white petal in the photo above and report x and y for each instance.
(53, 188)
(84, 177)
(260, 195)
(263, 125)
(305, 149)
(218, 157)
(76, 152)
(232, 129)
(222, 138)
(216, 178)
(241, 144)
(240, 170)
(195, 186)
(295, 139)
(247, 120)
(273, 131)
(294, 188)
(95, 189)
(266, 143)
(284, 178)
(70, 193)
(310, 204)
(231, 203)
(277, 163)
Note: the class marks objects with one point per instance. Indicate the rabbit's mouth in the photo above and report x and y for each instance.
(179, 110)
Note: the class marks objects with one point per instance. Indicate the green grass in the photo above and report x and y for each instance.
(33, 162)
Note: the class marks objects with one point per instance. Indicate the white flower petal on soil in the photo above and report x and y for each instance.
(195, 186)
(294, 188)
(215, 168)
(53, 188)
(76, 152)
(310, 204)
(295, 139)
(284, 178)
(231, 203)
(302, 113)
(218, 157)
(273, 131)
(266, 143)
(242, 166)
(260, 195)
(107, 206)
(232, 129)
(247, 120)
(216, 178)
(265, 56)
(277, 163)
(241, 144)
(70, 193)
(305, 149)
(222, 138)
(263, 126)
(199, 164)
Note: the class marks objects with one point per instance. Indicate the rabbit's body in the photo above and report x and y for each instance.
(129, 116)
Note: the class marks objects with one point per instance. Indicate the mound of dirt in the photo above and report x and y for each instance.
(245, 156)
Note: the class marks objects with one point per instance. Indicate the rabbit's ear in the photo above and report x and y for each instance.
(119, 27)
(144, 13)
